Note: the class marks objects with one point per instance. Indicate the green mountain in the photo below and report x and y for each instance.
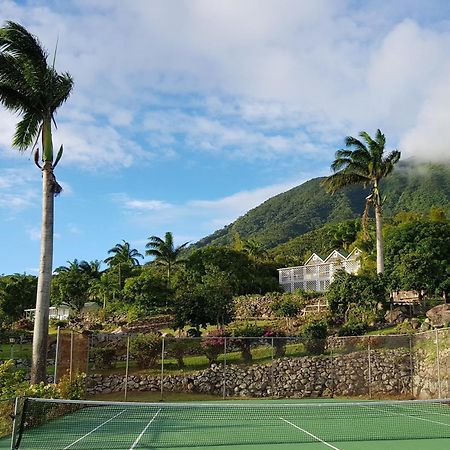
(411, 187)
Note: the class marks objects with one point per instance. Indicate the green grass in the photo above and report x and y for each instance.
(16, 351)
(194, 363)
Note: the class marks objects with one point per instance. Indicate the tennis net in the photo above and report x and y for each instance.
(70, 424)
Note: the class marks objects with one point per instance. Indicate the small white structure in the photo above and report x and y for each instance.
(61, 312)
(318, 273)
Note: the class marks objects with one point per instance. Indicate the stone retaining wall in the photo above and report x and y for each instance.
(309, 376)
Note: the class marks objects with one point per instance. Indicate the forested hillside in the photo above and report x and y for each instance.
(412, 187)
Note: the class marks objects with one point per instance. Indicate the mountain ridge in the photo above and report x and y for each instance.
(307, 207)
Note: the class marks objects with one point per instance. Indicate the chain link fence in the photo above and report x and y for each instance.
(391, 366)
(378, 366)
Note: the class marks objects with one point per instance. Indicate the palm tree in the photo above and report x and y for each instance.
(365, 163)
(32, 88)
(91, 268)
(165, 252)
(72, 266)
(123, 254)
(255, 249)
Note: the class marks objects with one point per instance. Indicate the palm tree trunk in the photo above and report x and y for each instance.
(39, 359)
(379, 237)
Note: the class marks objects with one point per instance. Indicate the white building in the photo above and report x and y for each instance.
(61, 312)
(318, 273)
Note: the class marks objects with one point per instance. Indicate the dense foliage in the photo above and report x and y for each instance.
(418, 256)
(357, 298)
(17, 293)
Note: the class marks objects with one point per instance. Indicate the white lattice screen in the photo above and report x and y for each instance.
(314, 277)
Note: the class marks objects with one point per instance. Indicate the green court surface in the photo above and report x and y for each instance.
(238, 425)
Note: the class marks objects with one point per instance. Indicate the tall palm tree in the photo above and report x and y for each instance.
(365, 163)
(123, 254)
(165, 252)
(32, 88)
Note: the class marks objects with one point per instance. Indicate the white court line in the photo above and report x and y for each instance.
(309, 434)
(425, 420)
(414, 417)
(95, 429)
(144, 430)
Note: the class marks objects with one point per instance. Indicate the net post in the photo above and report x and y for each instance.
(14, 427)
(438, 364)
(369, 375)
(55, 373)
(127, 364)
(162, 367)
(224, 376)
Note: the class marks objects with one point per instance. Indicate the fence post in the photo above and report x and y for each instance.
(272, 380)
(224, 387)
(127, 364)
(55, 373)
(411, 365)
(332, 373)
(71, 355)
(162, 366)
(438, 364)
(370, 369)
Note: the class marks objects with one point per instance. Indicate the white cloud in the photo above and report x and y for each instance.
(34, 233)
(196, 217)
(74, 229)
(287, 75)
(18, 189)
(139, 205)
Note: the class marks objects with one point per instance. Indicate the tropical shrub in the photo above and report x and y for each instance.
(360, 297)
(279, 341)
(351, 328)
(146, 348)
(315, 333)
(245, 336)
(103, 357)
(177, 347)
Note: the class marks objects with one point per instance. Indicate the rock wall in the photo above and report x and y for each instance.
(431, 379)
(311, 376)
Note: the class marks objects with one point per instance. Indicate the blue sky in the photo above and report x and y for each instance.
(188, 113)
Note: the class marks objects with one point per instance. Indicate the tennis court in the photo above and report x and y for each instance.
(238, 425)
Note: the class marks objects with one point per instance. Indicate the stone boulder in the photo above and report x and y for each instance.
(394, 316)
(439, 315)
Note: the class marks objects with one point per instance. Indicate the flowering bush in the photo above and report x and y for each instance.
(213, 345)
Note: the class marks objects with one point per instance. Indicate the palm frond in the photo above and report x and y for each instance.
(354, 143)
(27, 130)
(342, 179)
(18, 42)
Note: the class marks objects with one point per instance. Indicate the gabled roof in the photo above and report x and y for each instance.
(341, 253)
(314, 255)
